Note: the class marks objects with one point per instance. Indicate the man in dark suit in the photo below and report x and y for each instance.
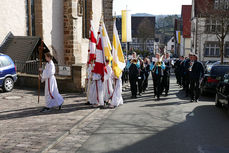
(133, 77)
(166, 76)
(186, 65)
(196, 74)
(157, 72)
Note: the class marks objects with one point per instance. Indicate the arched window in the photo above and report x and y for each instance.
(87, 15)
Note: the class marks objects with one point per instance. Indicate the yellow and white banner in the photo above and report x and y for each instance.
(118, 63)
(126, 26)
(178, 36)
(106, 43)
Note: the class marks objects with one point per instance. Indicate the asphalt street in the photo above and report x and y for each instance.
(172, 125)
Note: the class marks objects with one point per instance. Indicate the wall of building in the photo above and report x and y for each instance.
(53, 27)
(12, 18)
(96, 16)
(170, 44)
(187, 46)
(199, 39)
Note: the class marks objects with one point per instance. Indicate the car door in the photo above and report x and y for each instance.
(225, 89)
(1, 72)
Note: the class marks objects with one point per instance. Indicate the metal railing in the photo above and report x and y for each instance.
(32, 67)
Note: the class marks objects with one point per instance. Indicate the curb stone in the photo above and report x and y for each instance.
(58, 140)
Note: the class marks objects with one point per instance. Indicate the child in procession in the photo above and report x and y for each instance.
(52, 96)
(117, 94)
(96, 91)
(108, 87)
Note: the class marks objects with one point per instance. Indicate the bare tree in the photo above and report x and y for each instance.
(145, 32)
(217, 21)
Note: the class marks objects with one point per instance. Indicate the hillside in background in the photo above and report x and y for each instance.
(165, 27)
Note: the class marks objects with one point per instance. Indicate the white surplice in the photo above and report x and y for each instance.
(117, 94)
(108, 88)
(96, 90)
(52, 96)
(89, 75)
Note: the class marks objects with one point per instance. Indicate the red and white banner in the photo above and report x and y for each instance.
(92, 45)
(100, 56)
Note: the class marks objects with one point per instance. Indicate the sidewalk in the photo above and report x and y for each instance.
(24, 129)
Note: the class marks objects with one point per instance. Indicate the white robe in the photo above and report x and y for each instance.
(52, 96)
(117, 94)
(88, 81)
(108, 88)
(96, 90)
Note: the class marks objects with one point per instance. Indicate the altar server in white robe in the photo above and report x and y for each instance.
(89, 78)
(117, 94)
(52, 96)
(96, 90)
(108, 86)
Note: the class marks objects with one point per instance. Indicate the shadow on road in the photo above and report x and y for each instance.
(29, 112)
(166, 104)
(205, 130)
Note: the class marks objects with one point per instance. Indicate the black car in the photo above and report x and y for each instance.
(211, 80)
(222, 92)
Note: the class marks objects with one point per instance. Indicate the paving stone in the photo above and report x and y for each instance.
(24, 129)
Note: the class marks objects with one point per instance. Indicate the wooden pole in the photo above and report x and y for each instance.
(41, 48)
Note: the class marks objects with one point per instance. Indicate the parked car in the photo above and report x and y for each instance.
(209, 64)
(222, 92)
(211, 80)
(8, 75)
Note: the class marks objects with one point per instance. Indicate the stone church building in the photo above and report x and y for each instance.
(62, 24)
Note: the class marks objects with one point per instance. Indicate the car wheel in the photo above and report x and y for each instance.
(217, 102)
(8, 84)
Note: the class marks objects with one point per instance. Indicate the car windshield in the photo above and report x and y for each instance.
(219, 70)
(4, 61)
(211, 62)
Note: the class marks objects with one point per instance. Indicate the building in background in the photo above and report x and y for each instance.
(62, 24)
(204, 40)
(186, 47)
(178, 36)
(143, 33)
(171, 46)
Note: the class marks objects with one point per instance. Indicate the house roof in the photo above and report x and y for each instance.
(186, 18)
(136, 21)
(23, 48)
(19, 48)
(202, 7)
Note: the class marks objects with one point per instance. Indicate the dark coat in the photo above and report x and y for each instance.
(197, 71)
(133, 72)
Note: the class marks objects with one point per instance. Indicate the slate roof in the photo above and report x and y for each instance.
(22, 48)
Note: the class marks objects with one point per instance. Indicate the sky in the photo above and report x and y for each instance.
(155, 7)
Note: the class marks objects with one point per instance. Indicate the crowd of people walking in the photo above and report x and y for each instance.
(140, 70)
(189, 73)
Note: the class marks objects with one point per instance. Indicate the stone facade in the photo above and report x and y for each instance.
(63, 25)
(69, 57)
(108, 20)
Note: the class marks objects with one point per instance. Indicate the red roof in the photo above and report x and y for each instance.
(203, 7)
(186, 18)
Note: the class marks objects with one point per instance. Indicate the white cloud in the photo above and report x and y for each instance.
(151, 6)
